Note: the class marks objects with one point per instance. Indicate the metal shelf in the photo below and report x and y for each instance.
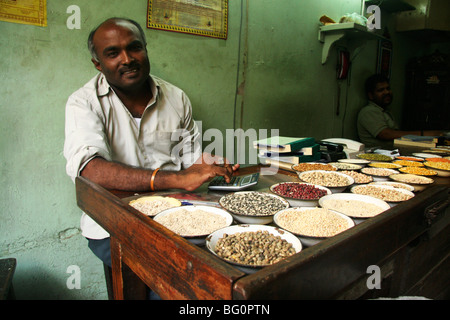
(332, 33)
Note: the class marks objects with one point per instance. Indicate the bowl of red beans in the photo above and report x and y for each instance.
(300, 194)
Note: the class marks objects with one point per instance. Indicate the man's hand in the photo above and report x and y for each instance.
(206, 168)
(112, 175)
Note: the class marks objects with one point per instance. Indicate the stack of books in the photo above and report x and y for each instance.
(284, 152)
(416, 141)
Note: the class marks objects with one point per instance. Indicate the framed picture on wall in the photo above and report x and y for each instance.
(384, 61)
(207, 18)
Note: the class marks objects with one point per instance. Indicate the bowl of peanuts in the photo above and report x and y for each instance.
(300, 194)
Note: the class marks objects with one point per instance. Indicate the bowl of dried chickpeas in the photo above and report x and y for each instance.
(250, 246)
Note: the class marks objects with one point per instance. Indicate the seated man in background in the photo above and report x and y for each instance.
(124, 125)
(376, 126)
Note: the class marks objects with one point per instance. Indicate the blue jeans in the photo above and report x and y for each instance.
(102, 249)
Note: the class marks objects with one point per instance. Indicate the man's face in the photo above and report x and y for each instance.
(122, 56)
(382, 95)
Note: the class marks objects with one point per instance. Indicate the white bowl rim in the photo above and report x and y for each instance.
(392, 171)
(356, 196)
(336, 165)
(385, 187)
(393, 176)
(355, 161)
(426, 155)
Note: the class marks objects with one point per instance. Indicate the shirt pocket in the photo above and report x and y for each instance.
(161, 146)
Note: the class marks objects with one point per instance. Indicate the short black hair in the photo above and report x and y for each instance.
(373, 80)
(92, 33)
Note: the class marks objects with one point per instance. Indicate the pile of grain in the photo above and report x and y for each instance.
(353, 208)
(317, 222)
(151, 206)
(190, 223)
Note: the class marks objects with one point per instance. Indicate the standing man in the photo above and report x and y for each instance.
(129, 130)
(376, 126)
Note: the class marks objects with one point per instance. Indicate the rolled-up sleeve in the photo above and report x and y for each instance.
(85, 136)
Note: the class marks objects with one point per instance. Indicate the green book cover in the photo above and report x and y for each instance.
(283, 144)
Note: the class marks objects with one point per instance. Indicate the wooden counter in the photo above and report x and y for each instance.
(410, 243)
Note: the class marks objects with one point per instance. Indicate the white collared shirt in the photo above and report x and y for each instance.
(98, 124)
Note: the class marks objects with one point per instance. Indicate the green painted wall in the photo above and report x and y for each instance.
(272, 51)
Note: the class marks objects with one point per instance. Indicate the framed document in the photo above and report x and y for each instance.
(207, 18)
(24, 11)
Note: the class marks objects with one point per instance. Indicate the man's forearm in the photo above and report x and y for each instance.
(117, 176)
(113, 175)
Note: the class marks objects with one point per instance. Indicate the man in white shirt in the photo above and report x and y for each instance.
(129, 130)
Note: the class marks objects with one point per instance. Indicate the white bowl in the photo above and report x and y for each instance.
(152, 205)
(361, 162)
(383, 165)
(426, 155)
(321, 165)
(382, 193)
(440, 172)
(198, 239)
(409, 158)
(296, 202)
(249, 218)
(307, 239)
(374, 157)
(211, 241)
(378, 177)
(345, 166)
(383, 205)
(403, 178)
(395, 185)
(333, 188)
